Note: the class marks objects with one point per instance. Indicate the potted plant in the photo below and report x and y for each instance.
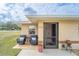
(68, 45)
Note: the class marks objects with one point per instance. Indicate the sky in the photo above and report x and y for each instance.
(19, 11)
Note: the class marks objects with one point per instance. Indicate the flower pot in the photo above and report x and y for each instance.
(40, 48)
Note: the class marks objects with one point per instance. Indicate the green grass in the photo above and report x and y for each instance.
(7, 42)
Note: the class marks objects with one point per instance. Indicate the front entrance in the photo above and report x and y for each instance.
(50, 35)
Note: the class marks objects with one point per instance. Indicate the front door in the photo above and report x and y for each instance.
(50, 35)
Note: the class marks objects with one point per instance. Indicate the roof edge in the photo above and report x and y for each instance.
(60, 16)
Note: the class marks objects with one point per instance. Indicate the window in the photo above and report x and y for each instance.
(32, 29)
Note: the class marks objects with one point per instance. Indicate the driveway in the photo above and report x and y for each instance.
(46, 52)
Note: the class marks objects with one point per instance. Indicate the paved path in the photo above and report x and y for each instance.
(47, 52)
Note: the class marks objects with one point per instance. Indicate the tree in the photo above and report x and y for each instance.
(9, 26)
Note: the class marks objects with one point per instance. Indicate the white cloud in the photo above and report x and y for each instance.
(16, 11)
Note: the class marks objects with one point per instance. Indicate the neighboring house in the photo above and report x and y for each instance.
(52, 31)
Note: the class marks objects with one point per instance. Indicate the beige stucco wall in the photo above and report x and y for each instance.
(24, 29)
(69, 30)
(40, 31)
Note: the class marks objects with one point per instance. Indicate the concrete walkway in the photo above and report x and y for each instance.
(46, 52)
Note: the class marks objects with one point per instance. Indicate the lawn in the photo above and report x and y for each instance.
(7, 42)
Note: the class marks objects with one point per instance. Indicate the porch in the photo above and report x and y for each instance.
(61, 31)
(31, 50)
(46, 52)
(47, 33)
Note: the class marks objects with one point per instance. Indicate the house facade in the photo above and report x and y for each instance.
(53, 31)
